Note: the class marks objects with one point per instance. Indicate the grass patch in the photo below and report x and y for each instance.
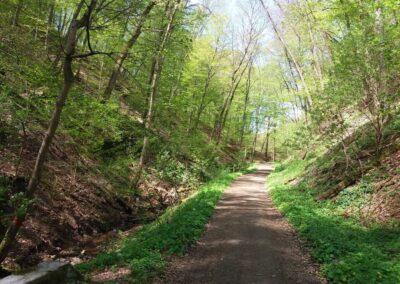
(146, 253)
(347, 251)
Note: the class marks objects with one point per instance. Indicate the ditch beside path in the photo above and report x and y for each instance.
(246, 241)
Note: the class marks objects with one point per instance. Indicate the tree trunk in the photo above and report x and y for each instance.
(288, 50)
(50, 20)
(154, 83)
(267, 147)
(255, 136)
(246, 100)
(235, 81)
(125, 50)
(18, 10)
(34, 181)
(236, 77)
(267, 139)
(200, 109)
(274, 150)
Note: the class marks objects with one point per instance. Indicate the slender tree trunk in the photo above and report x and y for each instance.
(50, 20)
(34, 181)
(267, 138)
(288, 50)
(346, 15)
(314, 51)
(63, 23)
(246, 100)
(18, 10)
(267, 147)
(236, 79)
(274, 150)
(210, 75)
(154, 83)
(253, 152)
(125, 50)
(192, 111)
(200, 109)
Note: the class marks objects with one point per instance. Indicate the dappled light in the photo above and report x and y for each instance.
(246, 241)
(200, 141)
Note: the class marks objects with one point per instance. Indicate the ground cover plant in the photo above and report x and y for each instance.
(348, 251)
(146, 253)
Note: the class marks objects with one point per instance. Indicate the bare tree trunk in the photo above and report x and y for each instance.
(50, 20)
(274, 150)
(267, 147)
(154, 83)
(288, 50)
(238, 71)
(201, 106)
(267, 139)
(256, 135)
(303, 102)
(18, 10)
(346, 15)
(235, 81)
(34, 181)
(314, 51)
(192, 111)
(211, 71)
(246, 100)
(125, 50)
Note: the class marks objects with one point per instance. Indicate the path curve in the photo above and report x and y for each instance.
(246, 241)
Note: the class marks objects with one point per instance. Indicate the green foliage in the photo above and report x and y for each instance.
(147, 251)
(356, 196)
(279, 167)
(347, 251)
(173, 171)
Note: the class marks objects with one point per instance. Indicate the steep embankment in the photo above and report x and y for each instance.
(140, 256)
(86, 189)
(346, 206)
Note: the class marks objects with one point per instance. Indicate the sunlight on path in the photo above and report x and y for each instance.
(246, 241)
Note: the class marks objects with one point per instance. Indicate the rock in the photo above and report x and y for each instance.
(293, 182)
(76, 260)
(47, 273)
(3, 273)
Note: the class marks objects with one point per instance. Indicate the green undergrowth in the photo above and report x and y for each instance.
(348, 251)
(146, 253)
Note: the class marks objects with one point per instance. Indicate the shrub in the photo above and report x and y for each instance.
(279, 167)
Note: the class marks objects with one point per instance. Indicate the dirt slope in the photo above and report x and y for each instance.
(246, 241)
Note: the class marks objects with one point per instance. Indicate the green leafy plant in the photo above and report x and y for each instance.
(347, 251)
(279, 167)
(147, 251)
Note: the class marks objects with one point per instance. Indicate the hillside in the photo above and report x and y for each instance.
(86, 190)
(125, 126)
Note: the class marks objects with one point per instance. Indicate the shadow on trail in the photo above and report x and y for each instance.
(246, 241)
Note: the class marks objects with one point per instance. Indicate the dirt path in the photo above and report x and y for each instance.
(246, 241)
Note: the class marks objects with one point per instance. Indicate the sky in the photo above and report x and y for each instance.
(232, 10)
(226, 7)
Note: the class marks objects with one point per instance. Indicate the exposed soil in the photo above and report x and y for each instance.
(77, 208)
(246, 241)
(384, 205)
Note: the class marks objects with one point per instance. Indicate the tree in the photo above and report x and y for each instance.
(126, 48)
(240, 62)
(70, 45)
(155, 73)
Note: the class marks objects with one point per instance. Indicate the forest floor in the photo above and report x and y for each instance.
(246, 241)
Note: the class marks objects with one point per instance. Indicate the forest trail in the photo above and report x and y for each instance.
(246, 241)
